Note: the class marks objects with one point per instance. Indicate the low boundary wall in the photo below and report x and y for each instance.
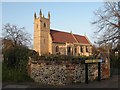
(64, 72)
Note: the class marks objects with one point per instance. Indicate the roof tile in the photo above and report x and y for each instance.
(63, 37)
(81, 39)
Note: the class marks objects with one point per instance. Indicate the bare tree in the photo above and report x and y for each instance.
(107, 23)
(17, 35)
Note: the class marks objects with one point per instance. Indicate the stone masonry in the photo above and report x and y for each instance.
(61, 74)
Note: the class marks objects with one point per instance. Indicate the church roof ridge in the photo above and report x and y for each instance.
(59, 31)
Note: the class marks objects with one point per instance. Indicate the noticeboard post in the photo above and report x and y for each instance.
(99, 68)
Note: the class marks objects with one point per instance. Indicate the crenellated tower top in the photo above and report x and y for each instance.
(41, 15)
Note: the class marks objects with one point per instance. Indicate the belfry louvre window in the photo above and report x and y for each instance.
(44, 25)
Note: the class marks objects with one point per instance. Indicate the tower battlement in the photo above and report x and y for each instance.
(41, 15)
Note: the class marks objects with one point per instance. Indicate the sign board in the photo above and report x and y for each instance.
(93, 61)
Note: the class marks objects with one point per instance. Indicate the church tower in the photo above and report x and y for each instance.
(42, 33)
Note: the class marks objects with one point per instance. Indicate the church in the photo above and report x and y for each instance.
(49, 41)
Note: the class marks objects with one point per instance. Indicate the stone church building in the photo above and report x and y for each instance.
(49, 41)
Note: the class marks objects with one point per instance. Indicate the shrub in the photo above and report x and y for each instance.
(59, 58)
(14, 75)
(16, 57)
(15, 64)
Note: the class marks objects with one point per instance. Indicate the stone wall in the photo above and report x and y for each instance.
(61, 73)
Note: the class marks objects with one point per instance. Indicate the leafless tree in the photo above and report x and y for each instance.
(17, 35)
(107, 22)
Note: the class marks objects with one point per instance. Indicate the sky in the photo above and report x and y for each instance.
(65, 16)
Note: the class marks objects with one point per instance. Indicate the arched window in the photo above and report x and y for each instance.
(87, 50)
(44, 25)
(57, 49)
(68, 49)
(75, 50)
(81, 49)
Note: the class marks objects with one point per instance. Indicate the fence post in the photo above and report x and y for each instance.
(86, 73)
(99, 71)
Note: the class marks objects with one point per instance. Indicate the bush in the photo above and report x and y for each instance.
(16, 57)
(34, 54)
(15, 64)
(60, 58)
(14, 75)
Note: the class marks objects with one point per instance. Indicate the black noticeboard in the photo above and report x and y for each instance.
(86, 68)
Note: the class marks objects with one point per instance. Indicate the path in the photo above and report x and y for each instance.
(109, 83)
